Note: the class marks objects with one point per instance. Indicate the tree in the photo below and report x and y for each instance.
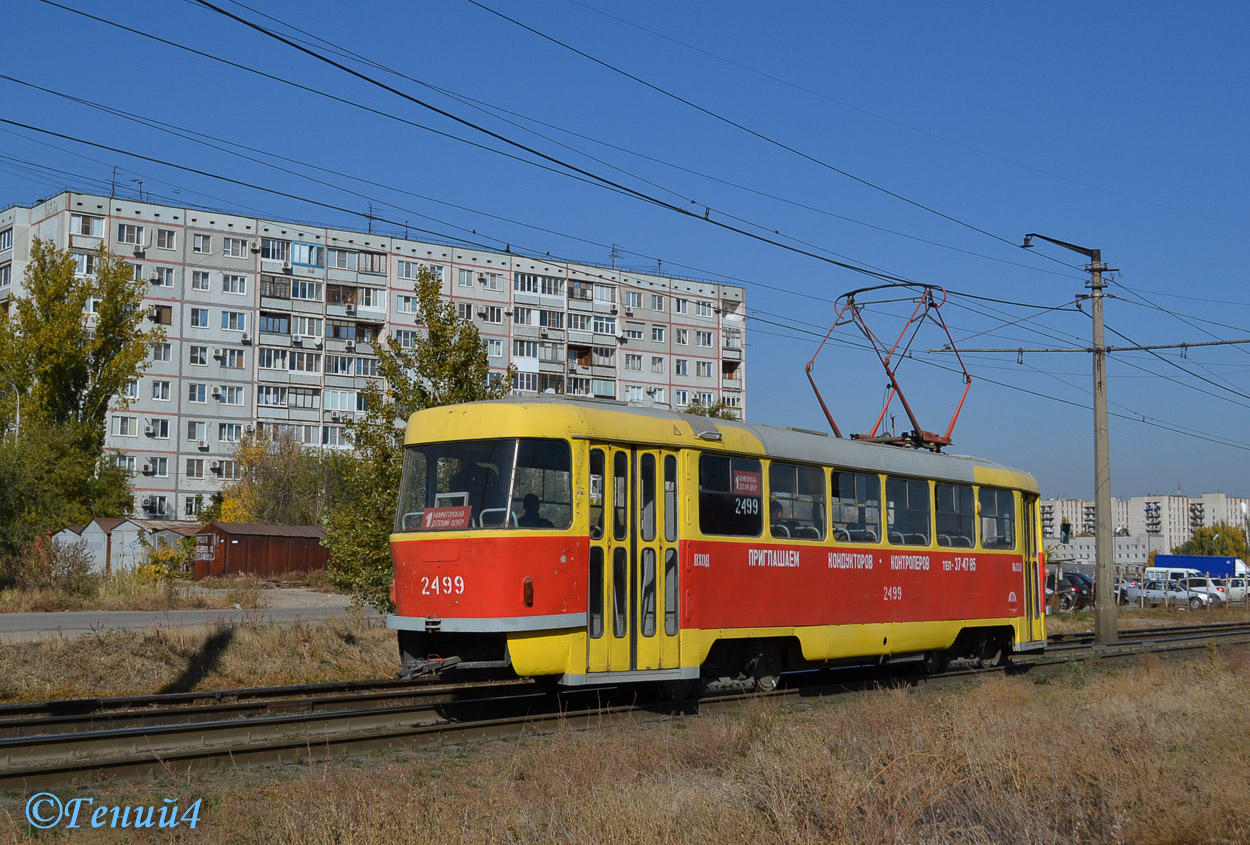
(446, 364)
(75, 341)
(1221, 540)
(48, 481)
(717, 410)
(281, 482)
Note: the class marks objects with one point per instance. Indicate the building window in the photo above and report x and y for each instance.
(657, 302)
(234, 284)
(532, 283)
(234, 247)
(271, 359)
(199, 318)
(680, 367)
(681, 397)
(340, 295)
(272, 249)
(164, 276)
(202, 244)
(160, 390)
(271, 396)
(229, 470)
(340, 365)
(84, 262)
(159, 468)
(683, 337)
(275, 323)
(310, 255)
(657, 334)
(526, 382)
(702, 309)
(306, 326)
(341, 259)
(232, 395)
(303, 397)
(408, 305)
(232, 359)
(161, 351)
(199, 280)
(162, 315)
(165, 239)
(334, 435)
(229, 432)
(657, 364)
(681, 306)
(703, 339)
(234, 321)
(79, 224)
(703, 369)
(305, 362)
(603, 356)
(197, 393)
(136, 272)
(158, 428)
(632, 393)
(370, 297)
(633, 362)
(131, 390)
(464, 278)
(195, 469)
(126, 426)
(491, 314)
(302, 289)
(373, 262)
(6, 275)
(275, 287)
(494, 348)
(129, 233)
(604, 325)
(367, 367)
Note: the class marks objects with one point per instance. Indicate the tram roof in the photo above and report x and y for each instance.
(617, 421)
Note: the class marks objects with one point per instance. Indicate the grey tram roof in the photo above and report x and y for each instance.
(799, 445)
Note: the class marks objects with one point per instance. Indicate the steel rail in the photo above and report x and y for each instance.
(28, 762)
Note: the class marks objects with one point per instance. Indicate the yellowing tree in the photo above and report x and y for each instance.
(1220, 540)
(280, 482)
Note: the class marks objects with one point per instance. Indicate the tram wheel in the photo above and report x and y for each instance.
(767, 671)
(936, 662)
(679, 690)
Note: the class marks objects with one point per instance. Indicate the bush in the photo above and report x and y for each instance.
(48, 565)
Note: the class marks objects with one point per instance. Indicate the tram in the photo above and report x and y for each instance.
(588, 542)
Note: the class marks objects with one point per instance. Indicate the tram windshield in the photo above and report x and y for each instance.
(491, 484)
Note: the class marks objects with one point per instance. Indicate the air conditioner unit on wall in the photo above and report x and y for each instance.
(215, 466)
(202, 445)
(218, 352)
(351, 344)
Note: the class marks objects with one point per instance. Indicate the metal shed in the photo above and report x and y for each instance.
(268, 551)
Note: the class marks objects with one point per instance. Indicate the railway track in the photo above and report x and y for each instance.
(47, 743)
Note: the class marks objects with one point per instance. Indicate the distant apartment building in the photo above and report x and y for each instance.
(1167, 521)
(274, 325)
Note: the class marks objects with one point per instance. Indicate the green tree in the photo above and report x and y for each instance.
(48, 481)
(447, 364)
(1221, 540)
(73, 342)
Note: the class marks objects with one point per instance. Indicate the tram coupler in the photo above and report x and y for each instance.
(431, 665)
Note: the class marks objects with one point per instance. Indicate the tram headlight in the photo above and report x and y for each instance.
(527, 591)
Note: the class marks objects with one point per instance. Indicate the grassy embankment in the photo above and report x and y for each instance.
(1081, 757)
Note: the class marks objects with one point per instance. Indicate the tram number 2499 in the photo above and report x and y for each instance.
(746, 506)
(442, 586)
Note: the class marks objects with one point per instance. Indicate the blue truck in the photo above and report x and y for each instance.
(1213, 565)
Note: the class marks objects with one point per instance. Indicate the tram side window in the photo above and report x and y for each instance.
(412, 495)
(908, 511)
(998, 518)
(596, 494)
(730, 496)
(953, 509)
(797, 501)
(856, 498)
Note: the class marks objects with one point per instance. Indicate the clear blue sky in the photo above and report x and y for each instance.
(1110, 125)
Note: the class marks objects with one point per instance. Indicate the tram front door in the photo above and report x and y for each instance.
(634, 583)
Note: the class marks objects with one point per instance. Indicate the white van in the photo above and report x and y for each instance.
(1167, 573)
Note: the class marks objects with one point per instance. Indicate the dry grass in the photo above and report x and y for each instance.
(162, 659)
(1085, 758)
(129, 591)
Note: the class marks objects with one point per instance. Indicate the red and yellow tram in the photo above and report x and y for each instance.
(589, 542)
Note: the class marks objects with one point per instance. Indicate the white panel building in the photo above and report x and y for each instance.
(271, 323)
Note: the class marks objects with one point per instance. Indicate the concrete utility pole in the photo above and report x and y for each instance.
(1106, 616)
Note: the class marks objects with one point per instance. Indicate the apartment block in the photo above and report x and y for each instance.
(272, 324)
(1168, 519)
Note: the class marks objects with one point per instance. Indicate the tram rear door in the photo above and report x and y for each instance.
(633, 585)
(1034, 610)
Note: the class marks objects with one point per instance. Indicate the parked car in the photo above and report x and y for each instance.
(1234, 588)
(1155, 593)
(1122, 584)
(1074, 594)
(1203, 584)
